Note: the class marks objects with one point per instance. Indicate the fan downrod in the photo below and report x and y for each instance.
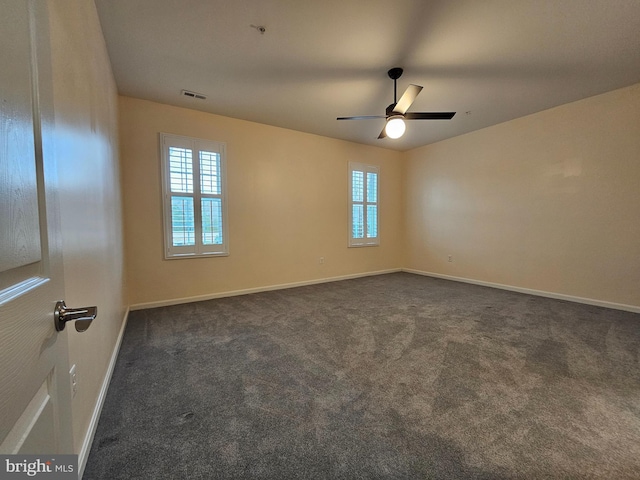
(394, 74)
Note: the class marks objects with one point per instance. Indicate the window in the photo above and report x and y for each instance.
(363, 205)
(193, 183)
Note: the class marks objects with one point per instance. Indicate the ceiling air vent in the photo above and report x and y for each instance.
(188, 93)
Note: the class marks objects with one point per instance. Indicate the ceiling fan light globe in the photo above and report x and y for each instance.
(395, 127)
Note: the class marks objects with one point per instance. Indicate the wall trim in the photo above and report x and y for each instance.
(539, 293)
(93, 424)
(233, 293)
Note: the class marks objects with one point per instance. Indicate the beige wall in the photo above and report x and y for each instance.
(547, 202)
(287, 201)
(85, 103)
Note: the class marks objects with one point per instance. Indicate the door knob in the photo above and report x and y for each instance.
(82, 316)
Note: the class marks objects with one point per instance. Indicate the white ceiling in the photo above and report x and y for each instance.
(317, 60)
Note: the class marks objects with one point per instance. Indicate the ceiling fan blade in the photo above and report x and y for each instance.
(407, 99)
(429, 115)
(383, 133)
(363, 117)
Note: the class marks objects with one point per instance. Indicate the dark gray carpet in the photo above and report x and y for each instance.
(395, 376)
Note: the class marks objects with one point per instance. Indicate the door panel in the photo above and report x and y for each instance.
(18, 192)
(35, 397)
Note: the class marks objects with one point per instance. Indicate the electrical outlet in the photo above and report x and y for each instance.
(450, 258)
(321, 261)
(74, 380)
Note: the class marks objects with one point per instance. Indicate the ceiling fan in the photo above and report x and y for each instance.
(396, 113)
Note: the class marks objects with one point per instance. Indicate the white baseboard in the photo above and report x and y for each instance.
(540, 293)
(91, 432)
(233, 293)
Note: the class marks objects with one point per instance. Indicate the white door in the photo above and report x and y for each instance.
(35, 396)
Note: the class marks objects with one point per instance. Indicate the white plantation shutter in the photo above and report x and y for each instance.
(363, 205)
(194, 197)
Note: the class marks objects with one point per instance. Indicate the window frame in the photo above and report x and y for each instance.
(196, 145)
(365, 241)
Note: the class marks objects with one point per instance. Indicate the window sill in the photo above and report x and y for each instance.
(182, 256)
